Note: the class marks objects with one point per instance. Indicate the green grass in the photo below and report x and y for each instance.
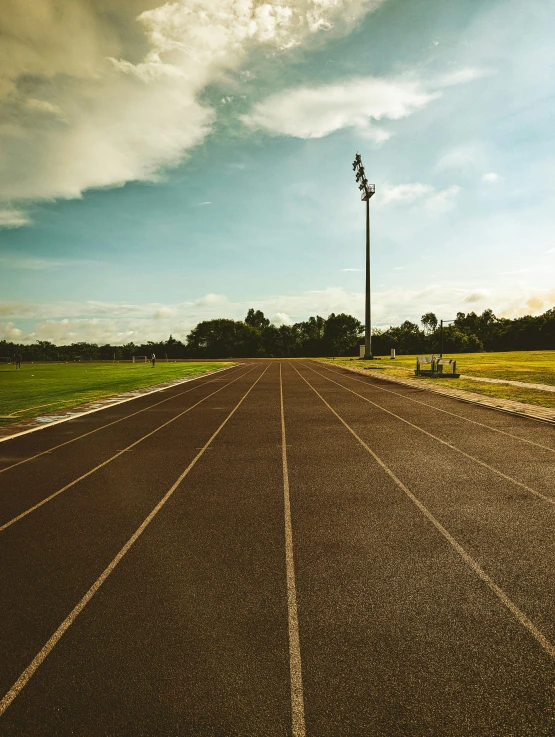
(43, 388)
(534, 367)
(501, 391)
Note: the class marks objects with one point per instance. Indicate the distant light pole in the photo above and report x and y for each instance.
(366, 190)
(441, 335)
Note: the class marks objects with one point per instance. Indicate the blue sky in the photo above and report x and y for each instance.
(166, 164)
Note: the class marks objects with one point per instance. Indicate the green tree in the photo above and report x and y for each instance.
(429, 321)
(342, 333)
(256, 319)
(221, 338)
(311, 335)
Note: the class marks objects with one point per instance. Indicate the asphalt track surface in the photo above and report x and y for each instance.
(282, 548)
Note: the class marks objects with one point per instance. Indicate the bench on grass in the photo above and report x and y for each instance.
(437, 367)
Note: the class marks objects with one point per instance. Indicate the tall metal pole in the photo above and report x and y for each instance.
(368, 333)
(367, 190)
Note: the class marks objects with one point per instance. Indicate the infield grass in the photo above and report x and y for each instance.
(39, 389)
(533, 367)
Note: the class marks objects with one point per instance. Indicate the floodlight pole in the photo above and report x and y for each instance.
(367, 190)
(367, 315)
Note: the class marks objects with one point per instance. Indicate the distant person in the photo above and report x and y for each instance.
(153, 360)
(18, 361)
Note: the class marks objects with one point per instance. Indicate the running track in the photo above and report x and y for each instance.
(282, 548)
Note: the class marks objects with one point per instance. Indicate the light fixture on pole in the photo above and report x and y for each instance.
(366, 191)
(441, 323)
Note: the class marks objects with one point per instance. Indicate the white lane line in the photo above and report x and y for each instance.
(115, 422)
(438, 409)
(120, 452)
(519, 615)
(297, 700)
(112, 404)
(23, 679)
(529, 489)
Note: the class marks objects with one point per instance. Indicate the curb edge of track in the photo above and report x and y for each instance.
(160, 387)
(436, 390)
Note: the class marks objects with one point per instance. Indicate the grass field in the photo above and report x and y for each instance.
(39, 389)
(534, 367)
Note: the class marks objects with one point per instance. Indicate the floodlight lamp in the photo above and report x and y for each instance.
(360, 174)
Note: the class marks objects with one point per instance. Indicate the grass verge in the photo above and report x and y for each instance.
(535, 367)
(500, 391)
(39, 389)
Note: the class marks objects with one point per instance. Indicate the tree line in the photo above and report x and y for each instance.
(338, 335)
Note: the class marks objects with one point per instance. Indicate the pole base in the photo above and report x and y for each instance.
(369, 357)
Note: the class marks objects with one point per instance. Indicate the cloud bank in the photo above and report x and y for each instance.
(120, 323)
(315, 112)
(96, 94)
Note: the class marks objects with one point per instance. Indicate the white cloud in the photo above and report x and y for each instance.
(210, 299)
(12, 218)
(403, 192)
(99, 94)
(166, 311)
(491, 177)
(102, 322)
(433, 201)
(475, 298)
(280, 318)
(351, 269)
(8, 331)
(315, 112)
(461, 76)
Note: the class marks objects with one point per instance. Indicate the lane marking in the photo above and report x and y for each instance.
(431, 406)
(120, 452)
(27, 409)
(519, 615)
(538, 494)
(25, 676)
(297, 699)
(4, 438)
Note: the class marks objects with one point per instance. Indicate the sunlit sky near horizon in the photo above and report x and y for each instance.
(163, 164)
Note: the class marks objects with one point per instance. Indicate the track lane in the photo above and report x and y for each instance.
(399, 636)
(23, 494)
(52, 556)
(509, 532)
(533, 468)
(520, 427)
(28, 446)
(212, 656)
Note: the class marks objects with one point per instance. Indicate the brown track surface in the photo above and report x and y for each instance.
(423, 558)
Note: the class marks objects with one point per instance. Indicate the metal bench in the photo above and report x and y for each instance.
(437, 367)
(424, 361)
